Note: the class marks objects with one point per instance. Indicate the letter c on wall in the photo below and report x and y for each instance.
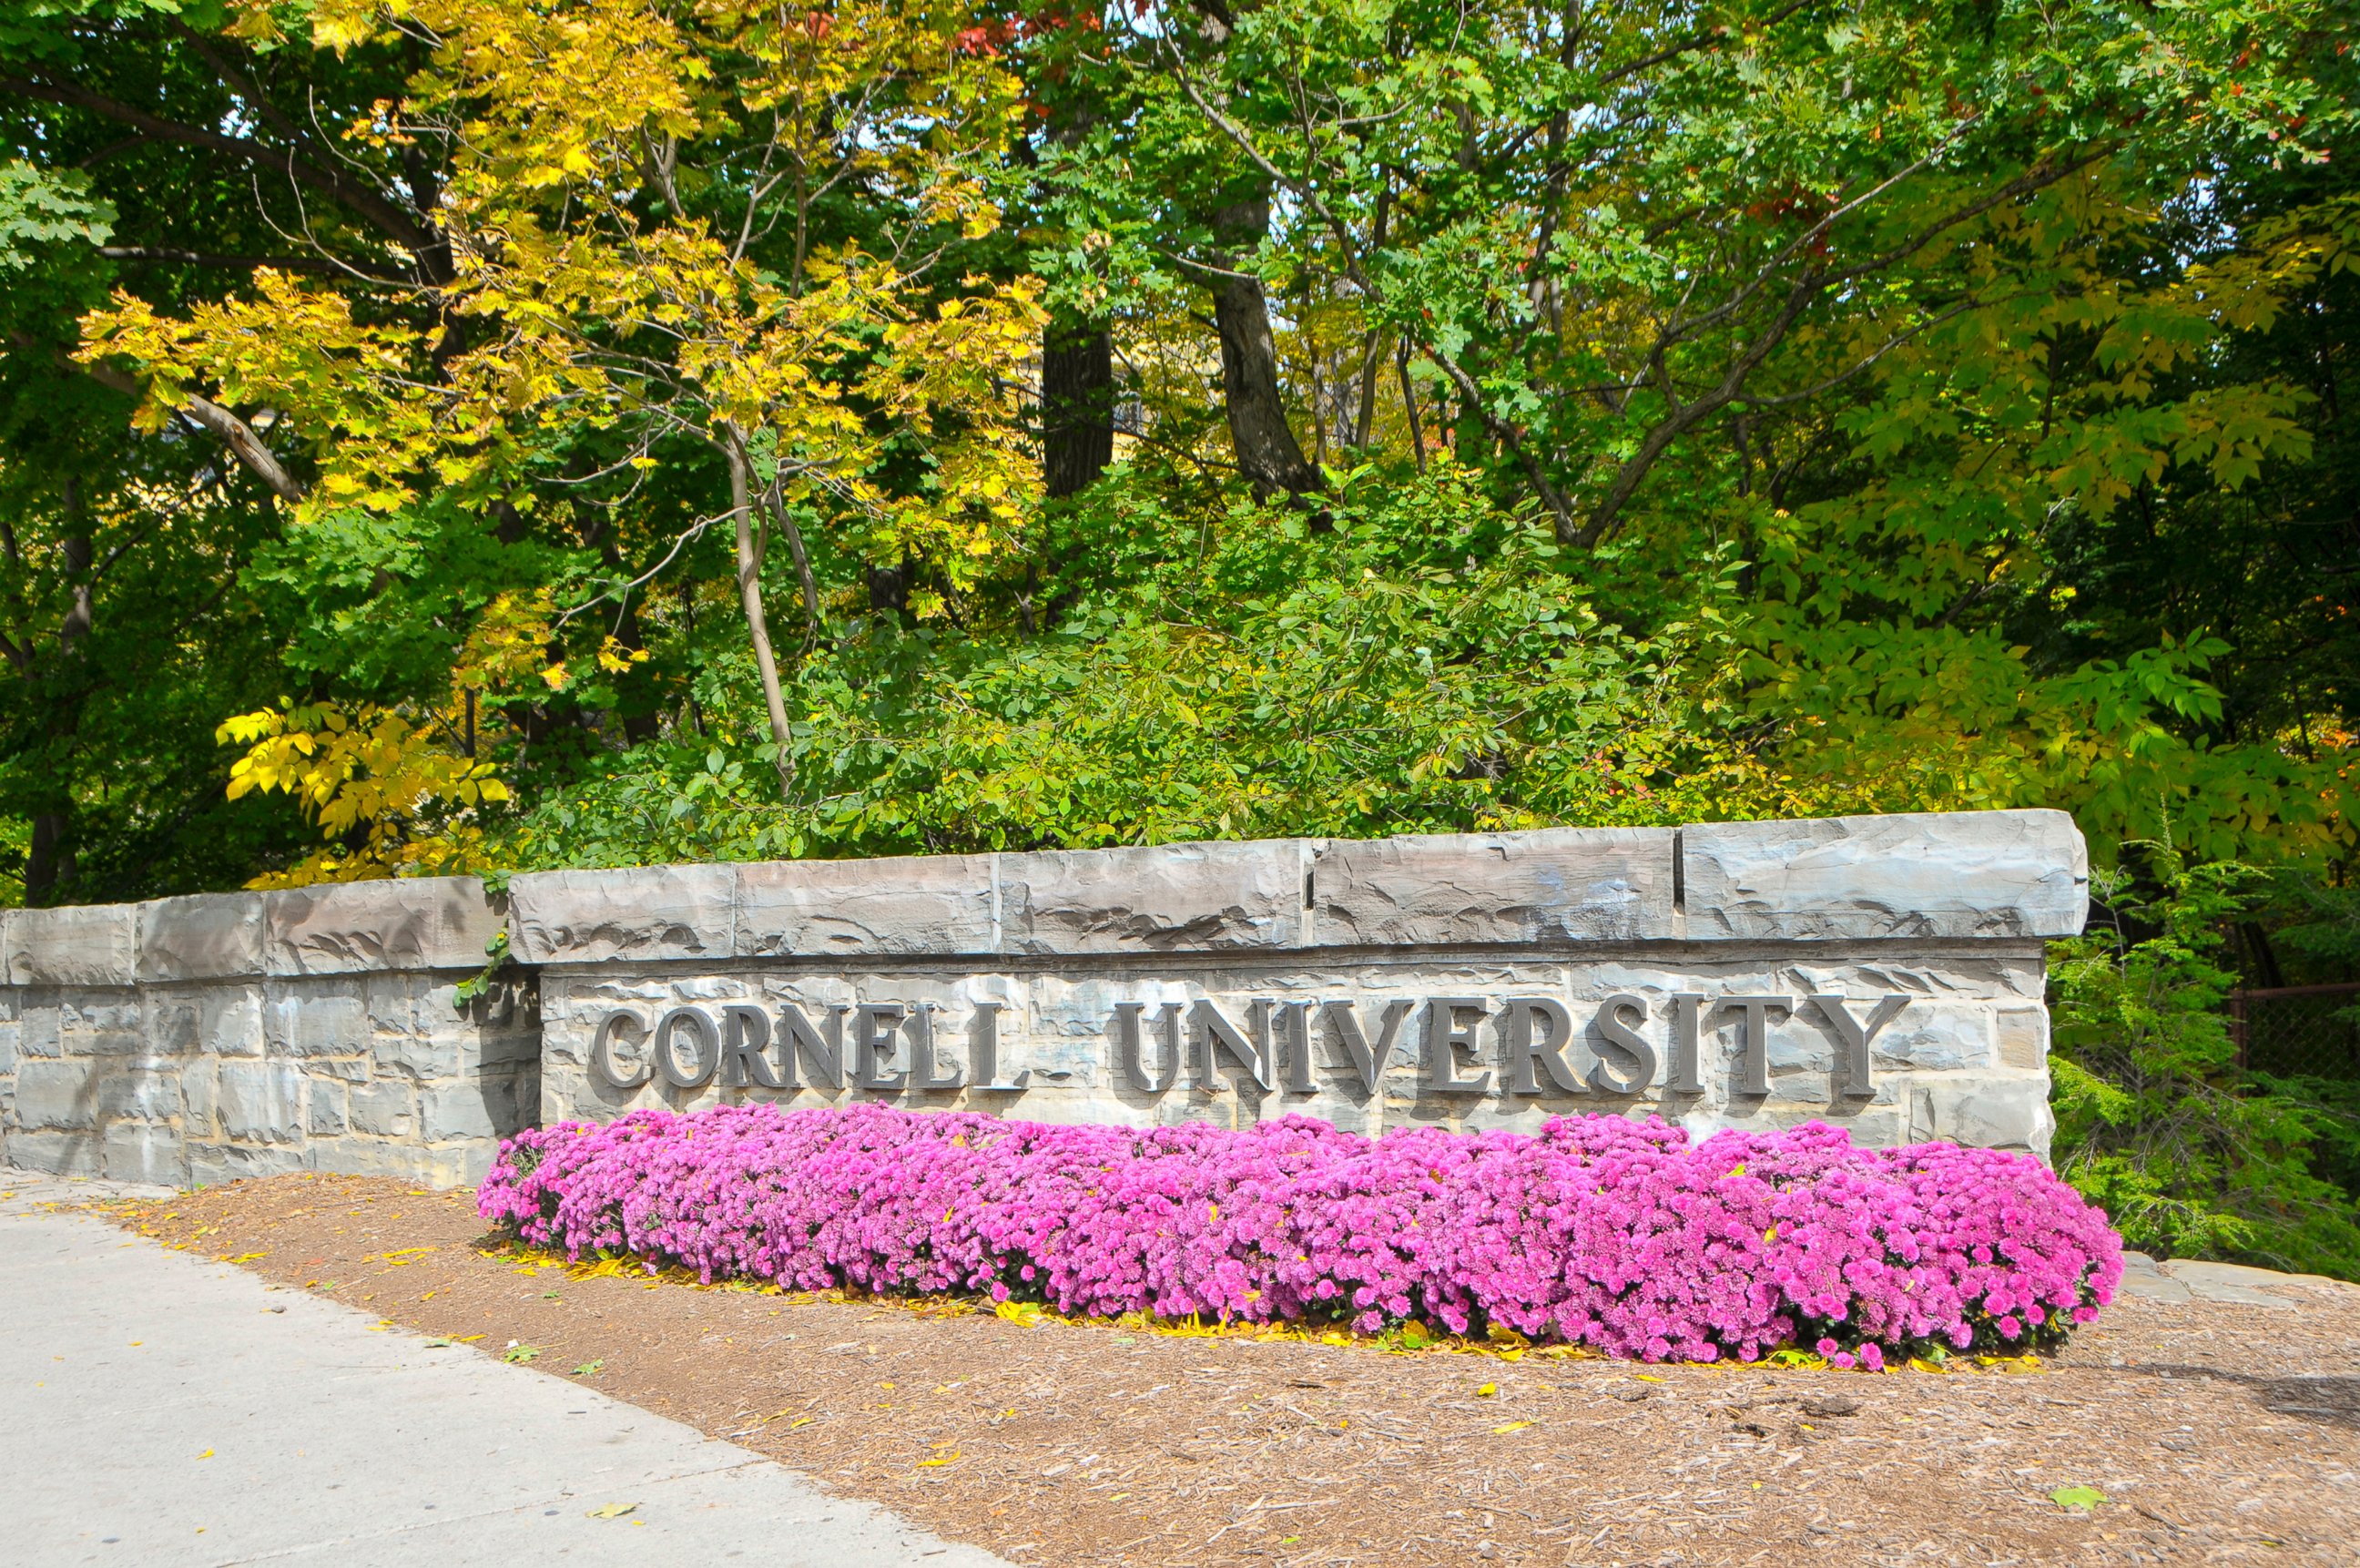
(602, 1050)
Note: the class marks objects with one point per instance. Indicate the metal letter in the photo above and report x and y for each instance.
(1525, 1046)
(1213, 1031)
(826, 1050)
(602, 1050)
(745, 1047)
(1345, 1024)
(709, 1047)
(925, 1071)
(1688, 1008)
(1626, 1039)
(1444, 1037)
(1293, 1025)
(1854, 1038)
(983, 1051)
(1753, 1041)
(868, 1046)
(1129, 1054)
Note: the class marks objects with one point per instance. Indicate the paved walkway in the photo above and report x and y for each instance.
(162, 1410)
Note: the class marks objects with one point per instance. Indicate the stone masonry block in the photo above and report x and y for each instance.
(2023, 1037)
(396, 1002)
(1969, 873)
(101, 1021)
(40, 1030)
(60, 1154)
(327, 1099)
(212, 1164)
(211, 936)
(134, 1152)
(485, 1109)
(1152, 899)
(1993, 1112)
(260, 1101)
(1557, 885)
(147, 1091)
(936, 904)
(320, 1019)
(441, 1054)
(58, 1094)
(410, 922)
(384, 1110)
(653, 913)
(86, 944)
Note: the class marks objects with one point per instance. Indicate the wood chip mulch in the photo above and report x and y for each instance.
(2217, 1433)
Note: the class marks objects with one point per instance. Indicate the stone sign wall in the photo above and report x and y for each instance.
(202, 1039)
(1884, 973)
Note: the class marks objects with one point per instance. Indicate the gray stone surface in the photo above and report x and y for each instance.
(1166, 898)
(57, 1094)
(348, 1052)
(213, 935)
(1978, 873)
(84, 944)
(653, 913)
(1559, 884)
(152, 1395)
(417, 923)
(934, 904)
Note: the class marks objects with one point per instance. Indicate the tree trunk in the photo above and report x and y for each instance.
(1077, 403)
(757, 629)
(1267, 453)
(49, 861)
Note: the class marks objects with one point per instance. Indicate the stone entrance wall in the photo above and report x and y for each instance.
(1884, 973)
(206, 1038)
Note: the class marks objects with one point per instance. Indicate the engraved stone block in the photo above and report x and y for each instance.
(1980, 873)
(407, 924)
(1557, 885)
(211, 936)
(651, 913)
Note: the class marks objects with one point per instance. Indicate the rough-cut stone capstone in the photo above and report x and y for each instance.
(911, 905)
(1978, 873)
(352, 927)
(655, 912)
(1165, 898)
(83, 944)
(211, 936)
(1557, 885)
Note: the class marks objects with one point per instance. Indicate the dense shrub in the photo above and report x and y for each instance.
(1601, 1232)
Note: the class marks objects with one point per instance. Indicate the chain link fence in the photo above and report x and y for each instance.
(2299, 1030)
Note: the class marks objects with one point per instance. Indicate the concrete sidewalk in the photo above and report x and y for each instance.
(159, 1410)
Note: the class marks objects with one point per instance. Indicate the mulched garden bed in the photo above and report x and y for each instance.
(2218, 1433)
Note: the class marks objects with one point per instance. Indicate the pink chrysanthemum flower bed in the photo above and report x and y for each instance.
(1618, 1235)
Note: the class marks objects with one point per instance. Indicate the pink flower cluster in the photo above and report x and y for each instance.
(1616, 1234)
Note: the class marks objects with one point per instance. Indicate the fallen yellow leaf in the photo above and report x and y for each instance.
(612, 1511)
(1506, 1427)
